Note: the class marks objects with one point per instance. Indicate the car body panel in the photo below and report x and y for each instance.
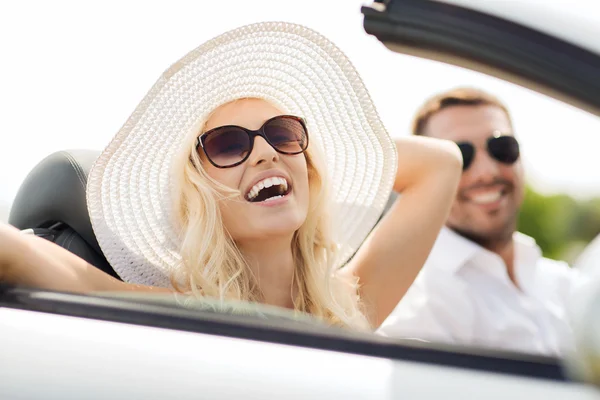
(76, 358)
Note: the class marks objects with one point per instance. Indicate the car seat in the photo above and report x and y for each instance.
(52, 203)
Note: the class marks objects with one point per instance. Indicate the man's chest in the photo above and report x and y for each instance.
(507, 317)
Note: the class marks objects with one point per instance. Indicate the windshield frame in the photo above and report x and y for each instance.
(502, 48)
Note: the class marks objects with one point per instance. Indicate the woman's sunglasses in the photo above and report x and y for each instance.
(231, 145)
(501, 147)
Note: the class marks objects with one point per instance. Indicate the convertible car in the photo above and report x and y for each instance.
(97, 346)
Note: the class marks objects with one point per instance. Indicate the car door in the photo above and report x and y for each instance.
(60, 346)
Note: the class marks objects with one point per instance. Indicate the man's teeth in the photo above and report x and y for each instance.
(267, 183)
(487, 198)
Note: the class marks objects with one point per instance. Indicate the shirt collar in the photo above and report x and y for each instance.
(527, 255)
(453, 251)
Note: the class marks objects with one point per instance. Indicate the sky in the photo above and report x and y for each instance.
(73, 71)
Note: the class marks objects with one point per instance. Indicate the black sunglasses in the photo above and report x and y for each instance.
(231, 145)
(501, 147)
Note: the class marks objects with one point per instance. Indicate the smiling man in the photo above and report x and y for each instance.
(484, 284)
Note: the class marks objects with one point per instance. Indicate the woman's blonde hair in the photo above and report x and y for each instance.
(213, 265)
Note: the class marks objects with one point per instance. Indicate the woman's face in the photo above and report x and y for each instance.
(245, 219)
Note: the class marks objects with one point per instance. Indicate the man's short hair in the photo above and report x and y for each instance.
(462, 96)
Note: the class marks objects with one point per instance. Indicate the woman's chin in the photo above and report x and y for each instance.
(275, 227)
(251, 223)
(279, 227)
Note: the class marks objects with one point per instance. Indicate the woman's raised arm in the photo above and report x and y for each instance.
(32, 261)
(390, 259)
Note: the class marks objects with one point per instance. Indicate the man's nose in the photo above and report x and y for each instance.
(484, 167)
(262, 152)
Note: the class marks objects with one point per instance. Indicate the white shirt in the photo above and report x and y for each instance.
(589, 260)
(463, 295)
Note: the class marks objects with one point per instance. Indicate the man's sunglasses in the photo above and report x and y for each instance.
(231, 145)
(501, 147)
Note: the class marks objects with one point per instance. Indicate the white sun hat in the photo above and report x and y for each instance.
(296, 69)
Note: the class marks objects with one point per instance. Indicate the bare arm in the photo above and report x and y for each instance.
(32, 261)
(390, 259)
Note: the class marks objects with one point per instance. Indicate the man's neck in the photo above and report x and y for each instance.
(272, 263)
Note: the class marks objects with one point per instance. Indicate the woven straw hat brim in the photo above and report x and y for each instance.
(298, 70)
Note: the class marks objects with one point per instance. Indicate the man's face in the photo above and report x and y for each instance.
(490, 192)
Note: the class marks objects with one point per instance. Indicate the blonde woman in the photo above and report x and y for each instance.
(255, 170)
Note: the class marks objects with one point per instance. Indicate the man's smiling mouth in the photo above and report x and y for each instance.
(488, 197)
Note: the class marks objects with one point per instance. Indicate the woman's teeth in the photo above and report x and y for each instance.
(487, 198)
(265, 184)
(272, 198)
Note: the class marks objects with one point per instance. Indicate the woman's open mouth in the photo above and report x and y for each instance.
(268, 189)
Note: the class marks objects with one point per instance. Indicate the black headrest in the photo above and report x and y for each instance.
(52, 203)
(54, 192)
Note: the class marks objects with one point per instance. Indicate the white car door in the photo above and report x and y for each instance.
(65, 346)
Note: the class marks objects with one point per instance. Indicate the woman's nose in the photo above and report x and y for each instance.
(262, 152)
